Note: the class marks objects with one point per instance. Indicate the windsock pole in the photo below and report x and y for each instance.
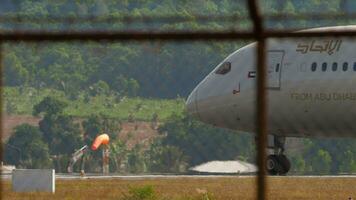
(106, 159)
(103, 140)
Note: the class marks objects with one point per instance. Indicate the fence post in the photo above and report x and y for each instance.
(261, 114)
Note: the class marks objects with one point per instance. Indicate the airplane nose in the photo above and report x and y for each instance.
(191, 104)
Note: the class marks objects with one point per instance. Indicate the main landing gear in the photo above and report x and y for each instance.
(277, 163)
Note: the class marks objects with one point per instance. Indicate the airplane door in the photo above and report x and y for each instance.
(274, 68)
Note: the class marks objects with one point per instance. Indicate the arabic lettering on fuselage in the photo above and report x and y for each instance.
(325, 46)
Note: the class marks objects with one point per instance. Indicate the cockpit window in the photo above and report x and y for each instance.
(223, 68)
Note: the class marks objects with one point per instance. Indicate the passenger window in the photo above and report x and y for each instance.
(334, 67)
(345, 66)
(277, 67)
(224, 68)
(354, 66)
(324, 66)
(313, 67)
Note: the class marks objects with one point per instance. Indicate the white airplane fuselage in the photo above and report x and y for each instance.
(311, 88)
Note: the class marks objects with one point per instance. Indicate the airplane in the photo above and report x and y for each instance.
(310, 90)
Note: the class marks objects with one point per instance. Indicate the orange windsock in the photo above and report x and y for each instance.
(101, 139)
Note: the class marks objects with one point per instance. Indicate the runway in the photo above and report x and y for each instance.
(172, 176)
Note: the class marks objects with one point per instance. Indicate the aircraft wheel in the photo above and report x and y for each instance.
(284, 164)
(272, 165)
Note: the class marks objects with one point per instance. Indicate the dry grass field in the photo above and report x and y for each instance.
(195, 188)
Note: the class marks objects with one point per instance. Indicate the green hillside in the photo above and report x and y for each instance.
(20, 101)
(145, 69)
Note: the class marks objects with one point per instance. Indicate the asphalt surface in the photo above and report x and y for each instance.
(163, 176)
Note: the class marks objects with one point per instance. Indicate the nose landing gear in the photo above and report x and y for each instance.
(277, 163)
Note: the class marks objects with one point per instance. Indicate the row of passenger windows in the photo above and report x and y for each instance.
(324, 66)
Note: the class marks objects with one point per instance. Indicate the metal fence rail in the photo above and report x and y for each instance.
(110, 36)
(259, 33)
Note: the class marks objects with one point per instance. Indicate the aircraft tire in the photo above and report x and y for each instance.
(273, 166)
(284, 164)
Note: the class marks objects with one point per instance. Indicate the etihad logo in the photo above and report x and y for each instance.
(326, 46)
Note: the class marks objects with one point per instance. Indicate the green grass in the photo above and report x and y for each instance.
(292, 188)
(21, 102)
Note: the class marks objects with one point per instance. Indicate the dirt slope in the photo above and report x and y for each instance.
(131, 133)
(10, 122)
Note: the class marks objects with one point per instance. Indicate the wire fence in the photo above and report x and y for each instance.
(259, 33)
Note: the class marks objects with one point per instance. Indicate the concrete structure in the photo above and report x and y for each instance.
(33, 180)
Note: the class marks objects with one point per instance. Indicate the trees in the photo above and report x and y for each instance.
(73, 67)
(167, 159)
(126, 86)
(26, 148)
(96, 124)
(321, 162)
(99, 88)
(201, 142)
(135, 160)
(149, 69)
(347, 6)
(298, 166)
(118, 151)
(348, 163)
(15, 73)
(59, 130)
(50, 107)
